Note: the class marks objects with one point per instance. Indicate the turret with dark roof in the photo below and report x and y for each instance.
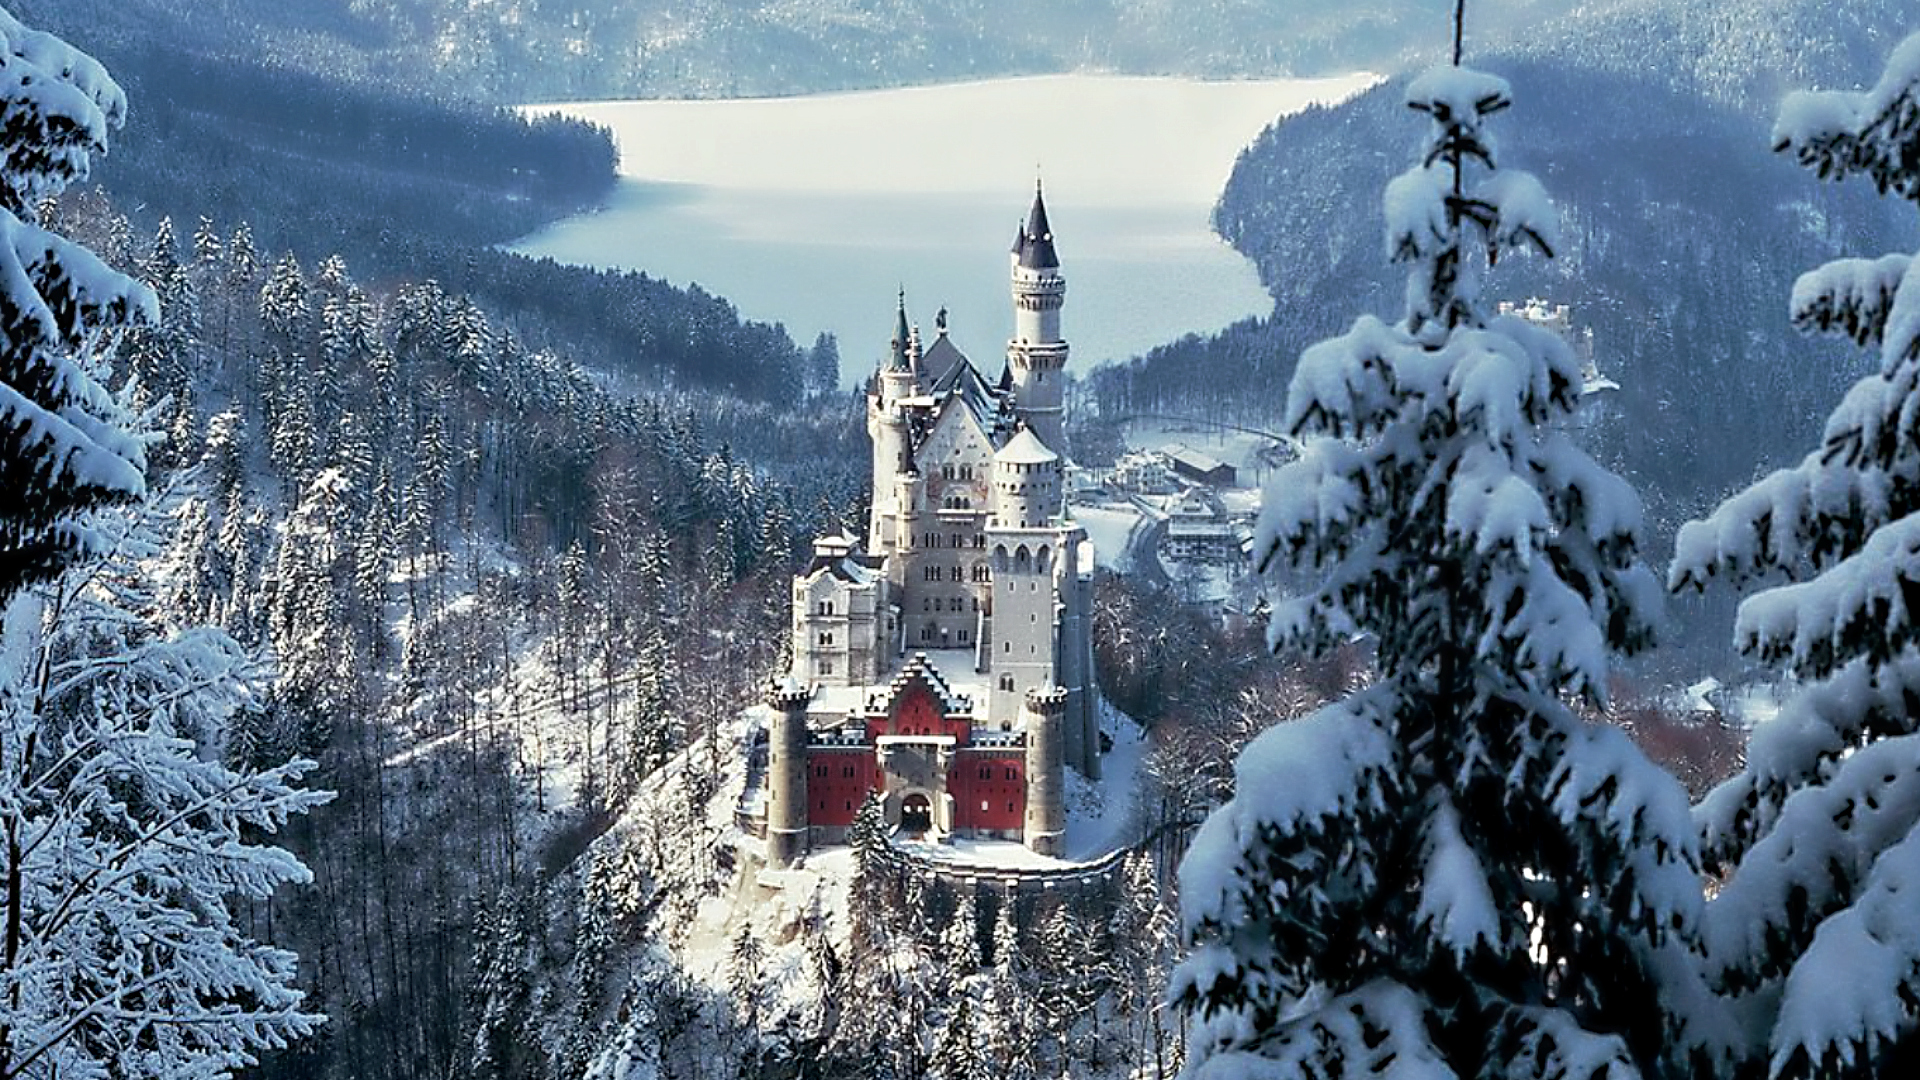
(1033, 243)
(897, 360)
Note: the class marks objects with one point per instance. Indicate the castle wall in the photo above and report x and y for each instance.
(838, 779)
(989, 791)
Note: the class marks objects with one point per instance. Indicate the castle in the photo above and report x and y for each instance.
(947, 663)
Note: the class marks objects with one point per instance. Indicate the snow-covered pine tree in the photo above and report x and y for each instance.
(207, 248)
(59, 455)
(1816, 929)
(1448, 874)
(960, 940)
(957, 1055)
(126, 846)
(746, 974)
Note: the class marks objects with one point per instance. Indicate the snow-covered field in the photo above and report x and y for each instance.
(814, 210)
(1111, 529)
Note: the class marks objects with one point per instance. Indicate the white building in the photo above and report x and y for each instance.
(948, 663)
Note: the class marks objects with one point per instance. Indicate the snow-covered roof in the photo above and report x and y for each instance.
(854, 567)
(1025, 448)
(919, 669)
(916, 740)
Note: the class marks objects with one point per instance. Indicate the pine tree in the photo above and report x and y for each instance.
(823, 365)
(1816, 930)
(128, 845)
(957, 1055)
(207, 249)
(285, 307)
(60, 454)
(243, 258)
(960, 941)
(1449, 873)
(746, 975)
(501, 988)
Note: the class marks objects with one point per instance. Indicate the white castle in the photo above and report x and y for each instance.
(947, 664)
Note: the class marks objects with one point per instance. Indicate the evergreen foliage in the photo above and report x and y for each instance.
(1820, 833)
(60, 453)
(957, 1055)
(1449, 873)
(129, 846)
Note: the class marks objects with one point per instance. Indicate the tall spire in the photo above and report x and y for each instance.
(1033, 244)
(898, 360)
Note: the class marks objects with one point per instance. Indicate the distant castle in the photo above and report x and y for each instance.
(947, 665)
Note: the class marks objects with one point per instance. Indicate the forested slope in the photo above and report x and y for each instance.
(1682, 235)
(526, 50)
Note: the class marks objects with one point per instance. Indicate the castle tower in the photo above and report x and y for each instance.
(1027, 490)
(887, 426)
(1037, 355)
(787, 774)
(1043, 716)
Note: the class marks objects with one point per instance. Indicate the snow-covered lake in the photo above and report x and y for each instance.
(812, 211)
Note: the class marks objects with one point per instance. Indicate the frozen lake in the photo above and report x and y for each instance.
(813, 211)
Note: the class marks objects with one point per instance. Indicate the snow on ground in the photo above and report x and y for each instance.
(1105, 816)
(812, 210)
(1246, 451)
(1111, 528)
(1756, 703)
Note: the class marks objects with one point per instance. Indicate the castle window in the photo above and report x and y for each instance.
(931, 573)
(1006, 646)
(959, 541)
(955, 574)
(965, 635)
(1011, 776)
(826, 665)
(926, 603)
(981, 573)
(1006, 681)
(986, 773)
(826, 639)
(1009, 808)
(983, 806)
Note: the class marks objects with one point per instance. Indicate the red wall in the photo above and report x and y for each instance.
(837, 782)
(917, 712)
(1004, 786)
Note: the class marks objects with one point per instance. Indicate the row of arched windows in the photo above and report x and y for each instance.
(1021, 560)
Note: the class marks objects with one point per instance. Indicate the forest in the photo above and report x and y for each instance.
(384, 615)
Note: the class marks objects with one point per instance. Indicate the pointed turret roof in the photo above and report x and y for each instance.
(897, 360)
(1025, 448)
(1033, 244)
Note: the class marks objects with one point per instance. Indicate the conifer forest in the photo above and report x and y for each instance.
(473, 604)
